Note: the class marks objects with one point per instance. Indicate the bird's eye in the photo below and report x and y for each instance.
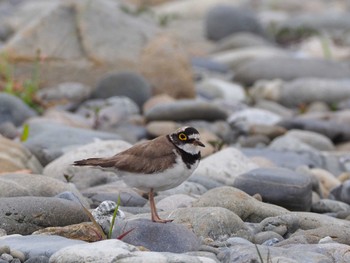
(182, 137)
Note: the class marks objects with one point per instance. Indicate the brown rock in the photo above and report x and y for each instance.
(14, 157)
(166, 65)
(85, 231)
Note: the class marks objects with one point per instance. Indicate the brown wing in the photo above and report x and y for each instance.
(146, 157)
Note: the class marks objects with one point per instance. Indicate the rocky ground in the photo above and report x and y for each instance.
(267, 84)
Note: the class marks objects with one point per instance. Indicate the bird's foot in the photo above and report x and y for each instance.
(159, 220)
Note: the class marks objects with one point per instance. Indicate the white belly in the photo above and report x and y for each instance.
(160, 181)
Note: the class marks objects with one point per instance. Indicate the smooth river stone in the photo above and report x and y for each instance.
(278, 186)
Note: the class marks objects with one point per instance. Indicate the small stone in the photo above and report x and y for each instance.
(6, 257)
(4, 250)
(18, 254)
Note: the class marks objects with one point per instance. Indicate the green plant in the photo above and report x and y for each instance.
(25, 133)
(68, 177)
(114, 217)
(26, 89)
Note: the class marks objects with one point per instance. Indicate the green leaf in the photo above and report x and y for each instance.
(113, 218)
(25, 133)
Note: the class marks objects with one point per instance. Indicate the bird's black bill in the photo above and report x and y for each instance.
(199, 143)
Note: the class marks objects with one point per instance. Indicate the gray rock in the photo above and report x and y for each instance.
(108, 113)
(69, 92)
(38, 245)
(286, 159)
(242, 253)
(237, 201)
(14, 110)
(185, 110)
(48, 141)
(173, 202)
(305, 91)
(174, 237)
(266, 236)
(241, 40)
(314, 139)
(128, 84)
(216, 88)
(212, 222)
(114, 191)
(289, 69)
(330, 21)
(24, 215)
(275, 107)
(17, 184)
(329, 206)
(342, 192)
(18, 254)
(224, 20)
(290, 143)
(39, 259)
(253, 116)
(224, 166)
(110, 250)
(208, 183)
(278, 186)
(190, 188)
(337, 132)
(236, 58)
(84, 177)
(90, 44)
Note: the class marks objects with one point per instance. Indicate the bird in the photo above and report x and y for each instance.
(155, 165)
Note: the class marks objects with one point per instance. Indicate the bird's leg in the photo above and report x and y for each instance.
(155, 216)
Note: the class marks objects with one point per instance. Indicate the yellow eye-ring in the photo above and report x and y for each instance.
(182, 137)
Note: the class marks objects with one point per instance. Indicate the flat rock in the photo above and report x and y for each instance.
(185, 110)
(237, 201)
(24, 215)
(84, 177)
(335, 131)
(12, 185)
(129, 84)
(307, 90)
(14, 157)
(48, 141)
(278, 186)
(110, 250)
(14, 110)
(224, 166)
(289, 69)
(174, 237)
(37, 245)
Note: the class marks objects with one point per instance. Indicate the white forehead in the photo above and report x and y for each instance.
(194, 136)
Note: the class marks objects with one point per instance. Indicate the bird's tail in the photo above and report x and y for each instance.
(102, 162)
